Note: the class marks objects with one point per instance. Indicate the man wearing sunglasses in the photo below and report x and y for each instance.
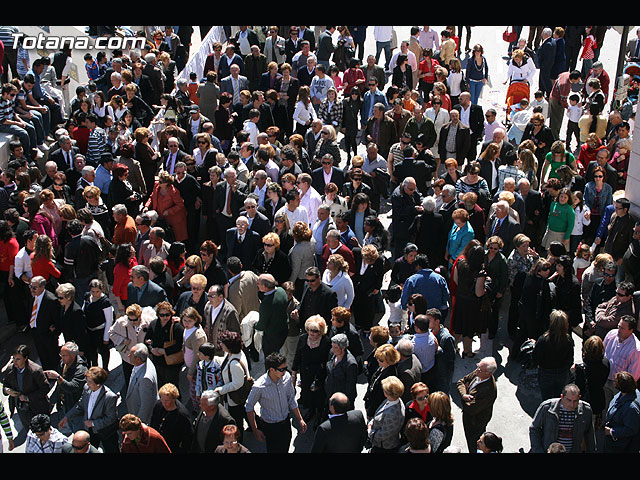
(276, 395)
(80, 443)
(608, 314)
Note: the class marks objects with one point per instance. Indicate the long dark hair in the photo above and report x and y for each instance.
(123, 254)
(6, 233)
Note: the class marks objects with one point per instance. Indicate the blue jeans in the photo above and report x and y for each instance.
(38, 123)
(27, 135)
(386, 46)
(475, 89)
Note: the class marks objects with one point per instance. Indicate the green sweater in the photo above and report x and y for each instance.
(273, 314)
(561, 218)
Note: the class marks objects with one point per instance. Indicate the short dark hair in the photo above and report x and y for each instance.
(422, 260)
(40, 423)
(339, 405)
(231, 340)
(422, 322)
(234, 265)
(274, 360)
(435, 313)
(208, 349)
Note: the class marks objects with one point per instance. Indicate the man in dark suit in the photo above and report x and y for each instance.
(633, 46)
(406, 203)
(80, 443)
(449, 204)
(208, 425)
(258, 222)
(143, 292)
(344, 432)
(172, 155)
(504, 226)
(317, 297)
(410, 167)
(258, 102)
(153, 71)
(546, 58)
(191, 193)
(45, 314)
(229, 199)
(230, 58)
(306, 34)
(65, 154)
(244, 33)
(29, 396)
(457, 147)
(381, 130)
(234, 83)
(533, 210)
(326, 173)
(472, 116)
(478, 391)
(242, 242)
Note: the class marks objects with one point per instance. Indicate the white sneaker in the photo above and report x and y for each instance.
(43, 148)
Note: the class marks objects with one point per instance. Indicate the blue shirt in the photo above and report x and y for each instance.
(430, 285)
(424, 347)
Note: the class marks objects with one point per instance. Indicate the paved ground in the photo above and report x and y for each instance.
(518, 396)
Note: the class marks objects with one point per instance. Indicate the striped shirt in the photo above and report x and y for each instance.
(97, 145)
(623, 356)
(276, 399)
(4, 423)
(7, 109)
(566, 419)
(6, 35)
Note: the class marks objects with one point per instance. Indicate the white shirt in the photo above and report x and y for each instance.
(383, 33)
(37, 301)
(311, 201)
(261, 192)
(300, 214)
(342, 285)
(93, 397)
(411, 57)
(215, 311)
(464, 114)
(22, 264)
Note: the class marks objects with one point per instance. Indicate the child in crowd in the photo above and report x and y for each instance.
(250, 125)
(582, 260)
(392, 297)
(193, 88)
(539, 100)
(92, 68)
(574, 112)
(208, 372)
(582, 219)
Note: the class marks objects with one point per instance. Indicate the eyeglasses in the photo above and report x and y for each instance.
(324, 133)
(494, 248)
(133, 319)
(311, 280)
(598, 176)
(314, 331)
(281, 369)
(610, 275)
(620, 294)
(357, 179)
(164, 315)
(268, 244)
(422, 398)
(78, 447)
(200, 142)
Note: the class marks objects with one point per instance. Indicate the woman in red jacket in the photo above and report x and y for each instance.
(125, 260)
(166, 200)
(39, 220)
(42, 259)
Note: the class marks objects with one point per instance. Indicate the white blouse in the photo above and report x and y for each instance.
(342, 285)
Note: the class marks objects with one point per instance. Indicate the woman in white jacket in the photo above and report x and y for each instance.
(304, 113)
(337, 277)
(521, 68)
(234, 367)
(128, 331)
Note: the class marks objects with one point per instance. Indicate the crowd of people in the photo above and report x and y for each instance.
(199, 228)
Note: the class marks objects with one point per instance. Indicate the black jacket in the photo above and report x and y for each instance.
(346, 433)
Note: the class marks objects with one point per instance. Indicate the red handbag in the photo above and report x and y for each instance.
(509, 37)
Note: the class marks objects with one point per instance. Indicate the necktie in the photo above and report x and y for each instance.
(637, 54)
(34, 314)
(229, 202)
(69, 161)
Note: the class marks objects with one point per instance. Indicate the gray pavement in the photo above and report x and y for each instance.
(518, 395)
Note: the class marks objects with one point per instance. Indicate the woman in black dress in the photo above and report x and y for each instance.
(351, 106)
(310, 362)
(591, 375)
(567, 296)
(270, 259)
(468, 318)
(224, 122)
(98, 313)
(387, 357)
(367, 282)
(122, 192)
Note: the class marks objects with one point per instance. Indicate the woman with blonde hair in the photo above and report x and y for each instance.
(270, 259)
(441, 426)
(529, 165)
(310, 362)
(127, 331)
(337, 277)
(387, 357)
(385, 426)
(171, 419)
